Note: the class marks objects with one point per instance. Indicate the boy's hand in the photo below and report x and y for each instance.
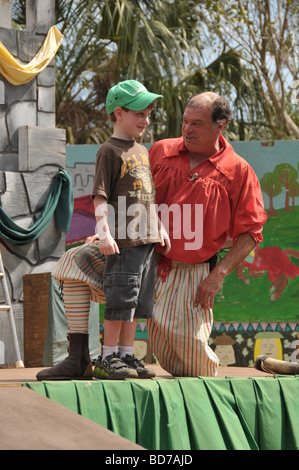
(108, 245)
(165, 240)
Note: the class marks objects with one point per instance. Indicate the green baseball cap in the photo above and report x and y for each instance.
(129, 94)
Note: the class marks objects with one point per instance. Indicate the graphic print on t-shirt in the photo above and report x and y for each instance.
(141, 176)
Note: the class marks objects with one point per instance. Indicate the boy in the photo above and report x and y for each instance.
(128, 229)
(123, 184)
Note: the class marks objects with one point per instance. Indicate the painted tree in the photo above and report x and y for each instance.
(272, 187)
(294, 192)
(286, 175)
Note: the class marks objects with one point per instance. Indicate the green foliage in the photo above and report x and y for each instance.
(176, 48)
(264, 35)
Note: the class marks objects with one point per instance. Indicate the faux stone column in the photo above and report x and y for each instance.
(5, 17)
(31, 152)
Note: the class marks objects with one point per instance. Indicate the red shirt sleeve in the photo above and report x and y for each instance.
(247, 207)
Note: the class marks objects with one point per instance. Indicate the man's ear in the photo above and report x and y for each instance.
(222, 125)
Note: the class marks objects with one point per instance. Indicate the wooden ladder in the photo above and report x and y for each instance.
(7, 307)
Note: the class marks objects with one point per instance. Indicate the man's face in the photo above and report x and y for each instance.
(199, 132)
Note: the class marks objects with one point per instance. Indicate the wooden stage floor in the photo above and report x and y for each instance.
(15, 377)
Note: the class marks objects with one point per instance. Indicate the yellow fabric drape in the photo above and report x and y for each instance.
(19, 74)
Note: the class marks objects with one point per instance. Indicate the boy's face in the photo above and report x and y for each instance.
(131, 124)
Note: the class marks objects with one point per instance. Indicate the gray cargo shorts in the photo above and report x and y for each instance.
(129, 282)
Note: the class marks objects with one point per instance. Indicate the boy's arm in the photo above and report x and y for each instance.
(107, 244)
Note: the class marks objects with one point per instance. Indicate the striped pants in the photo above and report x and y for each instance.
(178, 332)
(80, 272)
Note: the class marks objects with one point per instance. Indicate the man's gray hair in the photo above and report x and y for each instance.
(220, 106)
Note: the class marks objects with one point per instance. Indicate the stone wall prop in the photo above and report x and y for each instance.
(31, 152)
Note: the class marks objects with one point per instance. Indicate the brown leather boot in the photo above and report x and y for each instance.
(77, 366)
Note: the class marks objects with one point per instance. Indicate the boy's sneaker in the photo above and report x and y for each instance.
(142, 371)
(112, 367)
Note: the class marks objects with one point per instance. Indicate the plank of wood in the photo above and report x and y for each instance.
(30, 421)
(36, 311)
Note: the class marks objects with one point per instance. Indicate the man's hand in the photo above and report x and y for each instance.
(210, 286)
(208, 289)
(92, 238)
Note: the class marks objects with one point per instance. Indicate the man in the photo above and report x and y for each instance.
(199, 169)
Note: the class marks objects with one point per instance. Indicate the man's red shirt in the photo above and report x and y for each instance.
(224, 185)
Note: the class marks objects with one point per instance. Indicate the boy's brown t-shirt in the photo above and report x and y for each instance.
(123, 176)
